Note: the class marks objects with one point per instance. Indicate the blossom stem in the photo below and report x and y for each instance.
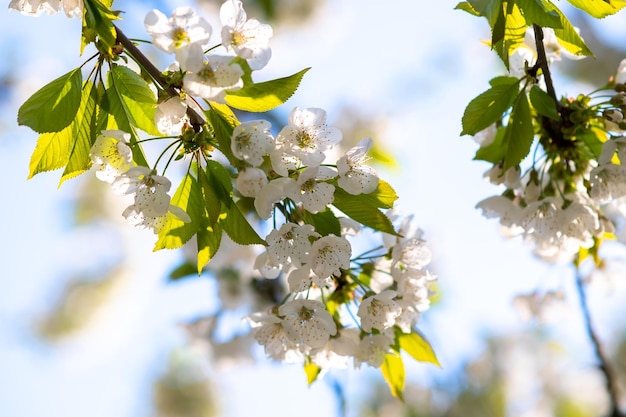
(130, 48)
(604, 366)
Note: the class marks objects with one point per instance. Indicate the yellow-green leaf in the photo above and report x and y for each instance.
(176, 233)
(98, 22)
(265, 96)
(51, 152)
(418, 347)
(84, 131)
(599, 8)
(394, 374)
(312, 371)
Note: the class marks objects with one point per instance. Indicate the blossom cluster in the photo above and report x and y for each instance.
(383, 292)
(337, 305)
(559, 203)
(72, 8)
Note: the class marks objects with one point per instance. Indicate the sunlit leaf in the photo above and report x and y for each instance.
(51, 152)
(394, 374)
(467, 7)
(176, 232)
(312, 371)
(537, 12)
(138, 98)
(599, 8)
(84, 131)
(53, 107)
(224, 121)
(208, 239)
(417, 347)
(265, 96)
(98, 23)
(569, 38)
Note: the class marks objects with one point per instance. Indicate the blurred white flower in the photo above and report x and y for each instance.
(247, 37)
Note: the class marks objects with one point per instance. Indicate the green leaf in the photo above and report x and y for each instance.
(184, 270)
(364, 209)
(212, 202)
(138, 98)
(224, 121)
(116, 115)
(53, 107)
(467, 7)
(568, 37)
(325, 222)
(495, 151)
(394, 374)
(265, 96)
(84, 132)
(51, 152)
(418, 347)
(176, 233)
(311, 371)
(490, 105)
(543, 103)
(519, 133)
(593, 139)
(599, 8)
(383, 196)
(209, 239)
(219, 186)
(536, 11)
(97, 22)
(239, 228)
(508, 31)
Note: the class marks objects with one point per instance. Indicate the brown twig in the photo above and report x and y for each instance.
(542, 62)
(604, 365)
(195, 118)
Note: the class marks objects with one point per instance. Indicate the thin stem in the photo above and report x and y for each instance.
(604, 366)
(130, 48)
(542, 62)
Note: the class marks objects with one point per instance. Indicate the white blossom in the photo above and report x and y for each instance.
(171, 115)
(307, 137)
(268, 330)
(252, 140)
(251, 181)
(307, 323)
(183, 28)
(379, 311)
(372, 350)
(111, 155)
(247, 37)
(314, 194)
(72, 8)
(210, 76)
(620, 75)
(330, 254)
(291, 244)
(271, 194)
(151, 201)
(354, 176)
(608, 182)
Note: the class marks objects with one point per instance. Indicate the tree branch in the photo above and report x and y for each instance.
(604, 366)
(194, 117)
(542, 62)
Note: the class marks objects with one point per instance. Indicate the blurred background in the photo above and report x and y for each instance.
(92, 322)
